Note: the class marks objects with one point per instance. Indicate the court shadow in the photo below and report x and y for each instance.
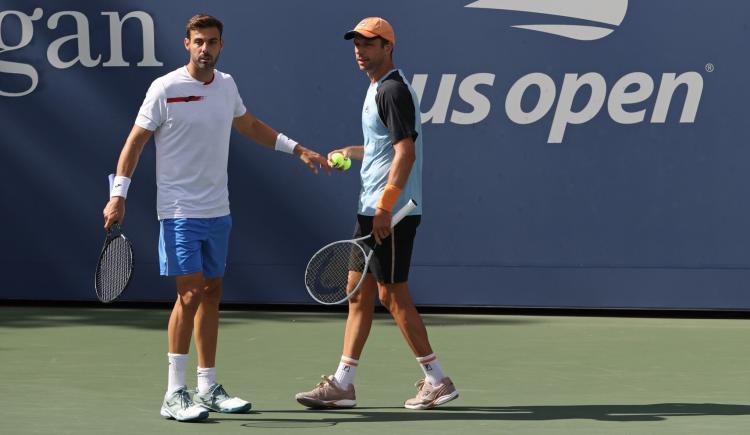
(611, 413)
(46, 317)
(156, 319)
(646, 412)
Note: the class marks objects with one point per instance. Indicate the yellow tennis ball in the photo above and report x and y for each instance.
(347, 164)
(338, 160)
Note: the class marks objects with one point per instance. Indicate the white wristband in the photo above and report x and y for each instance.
(120, 187)
(284, 144)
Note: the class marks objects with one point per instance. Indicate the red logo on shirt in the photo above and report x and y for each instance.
(184, 99)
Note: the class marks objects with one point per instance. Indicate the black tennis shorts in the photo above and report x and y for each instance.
(392, 258)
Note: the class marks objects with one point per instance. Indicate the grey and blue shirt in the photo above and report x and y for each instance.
(390, 114)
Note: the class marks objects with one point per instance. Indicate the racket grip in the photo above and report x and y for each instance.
(405, 210)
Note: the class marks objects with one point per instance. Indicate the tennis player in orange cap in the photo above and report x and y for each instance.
(391, 175)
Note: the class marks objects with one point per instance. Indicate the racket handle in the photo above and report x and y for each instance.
(405, 210)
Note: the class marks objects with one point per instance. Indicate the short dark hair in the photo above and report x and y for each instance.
(202, 21)
(384, 42)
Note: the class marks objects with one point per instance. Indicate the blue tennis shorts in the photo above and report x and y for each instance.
(189, 245)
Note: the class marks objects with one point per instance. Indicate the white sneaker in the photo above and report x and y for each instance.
(217, 399)
(180, 407)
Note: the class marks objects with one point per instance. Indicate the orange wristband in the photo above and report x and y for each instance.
(389, 197)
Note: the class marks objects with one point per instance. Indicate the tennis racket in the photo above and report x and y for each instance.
(115, 266)
(327, 276)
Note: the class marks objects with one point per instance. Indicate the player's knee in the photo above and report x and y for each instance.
(394, 296)
(190, 299)
(212, 285)
(212, 294)
(355, 301)
(386, 298)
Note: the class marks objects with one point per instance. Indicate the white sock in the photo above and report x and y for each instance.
(345, 373)
(206, 378)
(433, 373)
(176, 377)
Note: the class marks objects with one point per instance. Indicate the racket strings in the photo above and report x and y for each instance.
(114, 269)
(327, 274)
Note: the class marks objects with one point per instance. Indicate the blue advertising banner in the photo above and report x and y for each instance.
(577, 153)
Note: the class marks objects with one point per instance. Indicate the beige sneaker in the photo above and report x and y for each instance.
(328, 394)
(430, 396)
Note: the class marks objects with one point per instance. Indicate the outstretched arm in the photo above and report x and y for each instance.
(260, 132)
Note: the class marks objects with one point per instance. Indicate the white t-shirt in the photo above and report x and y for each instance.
(192, 122)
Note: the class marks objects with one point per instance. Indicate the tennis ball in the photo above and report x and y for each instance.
(347, 164)
(338, 160)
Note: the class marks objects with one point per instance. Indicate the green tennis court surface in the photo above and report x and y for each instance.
(103, 371)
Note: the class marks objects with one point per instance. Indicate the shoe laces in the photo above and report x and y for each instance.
(218, 393)
(185, 400)
(325, 382)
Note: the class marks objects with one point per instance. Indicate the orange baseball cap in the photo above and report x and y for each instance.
(372, 27)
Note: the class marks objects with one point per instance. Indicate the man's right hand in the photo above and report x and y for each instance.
(114, 211)
(344, 151)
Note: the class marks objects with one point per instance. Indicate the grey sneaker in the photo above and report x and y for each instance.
(328, 394)
(430, 396)
(217, 399)
(180, 407)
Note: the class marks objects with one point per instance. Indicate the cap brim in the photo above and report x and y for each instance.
(364, 33)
